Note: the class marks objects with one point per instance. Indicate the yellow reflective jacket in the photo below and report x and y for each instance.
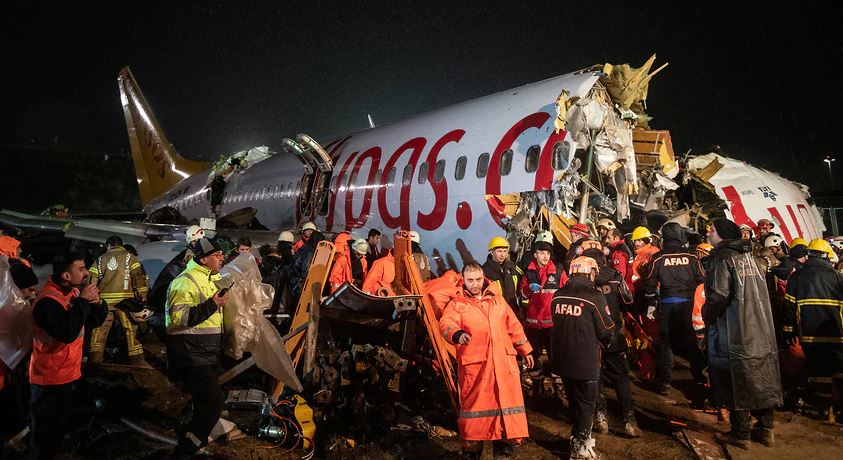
(194, 322)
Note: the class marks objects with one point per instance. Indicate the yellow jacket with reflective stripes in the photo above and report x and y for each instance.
(813, 305)
(118, 275)
(193, 341)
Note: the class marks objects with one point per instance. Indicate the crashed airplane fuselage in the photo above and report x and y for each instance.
(458, 175)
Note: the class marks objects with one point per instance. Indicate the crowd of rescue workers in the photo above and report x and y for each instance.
(757, 318)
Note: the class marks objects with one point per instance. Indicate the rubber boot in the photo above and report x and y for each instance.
(503, 450)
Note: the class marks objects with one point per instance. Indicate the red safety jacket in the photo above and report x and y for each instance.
(538, 307)
(54, 362)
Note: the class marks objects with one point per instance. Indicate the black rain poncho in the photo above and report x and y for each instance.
(742, 352)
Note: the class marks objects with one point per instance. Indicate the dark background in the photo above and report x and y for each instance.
(763, 84)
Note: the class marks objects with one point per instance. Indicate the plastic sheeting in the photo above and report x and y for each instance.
(246, 329)
(15, 319)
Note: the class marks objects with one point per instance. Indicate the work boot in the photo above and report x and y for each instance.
(763, 436)
(583, 449)
(138, 360)
(471, 454)
(731, 439)
(601, 422)
(663, 390)
(630, 425)
(503, 450)
(95, 358)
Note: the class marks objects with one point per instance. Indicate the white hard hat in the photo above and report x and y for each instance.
(287, 236)
(141, 316)
(545, 236)
(773, 241)
(607, 223)
(308, 226)
(414, 236)
(361, 246)
(194, 233)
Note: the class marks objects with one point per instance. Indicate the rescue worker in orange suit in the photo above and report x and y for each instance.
(582, 327)
(540, 282)
(644, 250)
(352, 267)
(501, 270)
(62, 311)
(306, 230)
(119, 276)
(487, 336)
(669, 287)
(615, 364)
(813, 306)
(380, 277)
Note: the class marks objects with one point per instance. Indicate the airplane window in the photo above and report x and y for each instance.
(561, 154)
(439, 174)
(352, 179)
(408, 174)
(459, 171)
(482, 165)
(423, 173)
(531, 164)
(277, 193)
(506, 162)
(377, 179)
(390, 178)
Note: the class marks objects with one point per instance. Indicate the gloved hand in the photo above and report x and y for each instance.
(535, 287)
(651, 312)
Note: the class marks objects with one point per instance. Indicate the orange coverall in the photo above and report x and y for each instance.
(381, 276)
(491, 402)
(342, 271)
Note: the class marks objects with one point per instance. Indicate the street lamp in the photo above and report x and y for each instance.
(829, 159)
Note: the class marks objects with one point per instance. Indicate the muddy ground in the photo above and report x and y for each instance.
(669, 426)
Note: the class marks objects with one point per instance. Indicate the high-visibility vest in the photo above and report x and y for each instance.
(192, 287)
(54, 362)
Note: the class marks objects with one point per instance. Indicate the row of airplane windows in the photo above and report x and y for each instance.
(289, 190)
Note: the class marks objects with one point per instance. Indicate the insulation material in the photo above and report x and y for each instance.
(246, 329)
(628, 86)
(15, 320)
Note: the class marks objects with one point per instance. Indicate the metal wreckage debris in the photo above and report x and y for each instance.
(623, 169)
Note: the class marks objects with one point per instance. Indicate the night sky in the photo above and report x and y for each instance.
(224, 76)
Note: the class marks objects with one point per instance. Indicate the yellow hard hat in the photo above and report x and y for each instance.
(704, 248)
(821, 245)
(797, 241)
(640, 233)
(498, 242)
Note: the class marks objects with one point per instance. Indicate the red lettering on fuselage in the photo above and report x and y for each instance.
(795, 221)
(402, 220)
(544, 175)
(351, 221)
(329, 219)
(493, 178)
(776, 215)
(434, 219)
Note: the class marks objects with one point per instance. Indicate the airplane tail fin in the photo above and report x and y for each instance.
(158, 166)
